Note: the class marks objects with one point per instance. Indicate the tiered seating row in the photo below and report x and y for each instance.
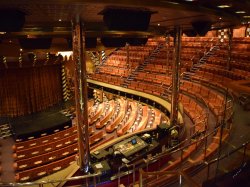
(239, 68)
(196, 112)
(211, 79)
(155, 78)
(147, 87)
(212, 147)
(213, 99)
(143, 118)
(110, 109)
(111, 79)
(42, 140)
(118, 116)
(130, 121)
(44, 170)
(43, 148)
(218, 71)
(157, 66)
(114, 71)
(186, 154)
(28, 163)
(34, 158)
(93, 116)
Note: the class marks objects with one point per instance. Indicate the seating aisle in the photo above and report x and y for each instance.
(7, 160)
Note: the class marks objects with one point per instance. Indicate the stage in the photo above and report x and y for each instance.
(37, 124)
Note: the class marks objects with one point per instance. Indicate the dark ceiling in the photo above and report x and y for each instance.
(53, 18)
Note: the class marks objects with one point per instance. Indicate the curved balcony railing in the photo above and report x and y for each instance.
(144, 164)
(157, 102)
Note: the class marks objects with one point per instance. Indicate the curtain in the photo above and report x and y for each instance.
(29, 90)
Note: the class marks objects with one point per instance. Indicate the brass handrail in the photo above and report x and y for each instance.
(41, 183)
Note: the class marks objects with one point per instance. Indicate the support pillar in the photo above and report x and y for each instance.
(127, 59)
(81, 95)
(168, 46)
(230, 36)
(175, 77)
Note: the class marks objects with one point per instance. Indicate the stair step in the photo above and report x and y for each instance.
(197, 65)
(194, 68)
(188, 73)
(186, 78)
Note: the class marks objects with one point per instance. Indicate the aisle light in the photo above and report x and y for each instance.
(223, 6)
(240, 12)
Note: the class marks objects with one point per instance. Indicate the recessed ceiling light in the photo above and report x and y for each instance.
(171, 2)
(223, 6)
(220, 18)
(246, 16)
(240, 12)
(60, 20)
(159, 24)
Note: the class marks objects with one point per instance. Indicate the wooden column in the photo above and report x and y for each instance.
(175, 77)
(127, 56)
(81, 95)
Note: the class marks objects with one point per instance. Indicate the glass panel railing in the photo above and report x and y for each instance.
(211, 170)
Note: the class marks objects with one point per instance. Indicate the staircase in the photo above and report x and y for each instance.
(140, 68)
(210, 53)
(94, 57)
(203, 60)
(167, 92)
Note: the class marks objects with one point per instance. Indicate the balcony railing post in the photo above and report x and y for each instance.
(208, 170)
(146, 161)
(181, 157)
(176, 77)
(244, 154)
(94, 181)
(230, 35)
(128, 174)
(180, 180)
(133, 174)
(140, 177)
(80, 81)
(119, 178)
(205, 151)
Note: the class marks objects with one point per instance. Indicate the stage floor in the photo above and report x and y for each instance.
(39, 123)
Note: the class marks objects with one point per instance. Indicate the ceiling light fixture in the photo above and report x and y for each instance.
(159, 24)
(240, 12)
(246, 16)
(60, 20)
(172, 2)
(223, 6)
